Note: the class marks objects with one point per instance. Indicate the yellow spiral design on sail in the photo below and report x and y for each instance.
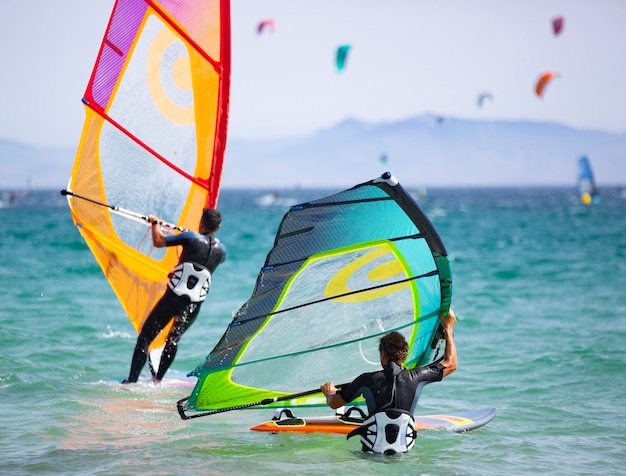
(338, 284)
(180, 71)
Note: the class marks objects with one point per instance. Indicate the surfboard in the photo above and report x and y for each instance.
(285, 421)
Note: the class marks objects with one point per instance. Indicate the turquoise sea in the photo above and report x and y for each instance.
(539, 287)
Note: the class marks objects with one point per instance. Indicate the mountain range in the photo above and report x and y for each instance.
(425, 150)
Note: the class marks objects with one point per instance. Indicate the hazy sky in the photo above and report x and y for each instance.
(408, 57)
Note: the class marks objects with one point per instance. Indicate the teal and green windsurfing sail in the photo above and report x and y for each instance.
(344, 270)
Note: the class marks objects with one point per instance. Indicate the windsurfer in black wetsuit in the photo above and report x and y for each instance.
(391, 394)
(188, 286)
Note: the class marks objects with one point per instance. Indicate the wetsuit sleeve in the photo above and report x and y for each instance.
(222, 249)
(429, 373)
(354, 389)
(180, 239)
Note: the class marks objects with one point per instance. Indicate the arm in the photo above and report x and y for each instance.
(333, 399)
(449, 359)
(158, 237)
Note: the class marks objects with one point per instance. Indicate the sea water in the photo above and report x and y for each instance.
(539, 289)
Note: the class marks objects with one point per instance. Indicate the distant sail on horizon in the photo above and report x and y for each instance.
(586, 185)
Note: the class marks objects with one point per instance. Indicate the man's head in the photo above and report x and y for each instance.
(393, 346)
(211, 220)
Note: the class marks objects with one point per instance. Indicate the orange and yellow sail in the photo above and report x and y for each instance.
(154, 137)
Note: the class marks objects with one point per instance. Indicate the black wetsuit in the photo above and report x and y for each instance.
(378, 387)
(200, 249)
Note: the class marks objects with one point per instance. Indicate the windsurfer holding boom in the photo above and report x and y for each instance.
(188, 286)
(391, 394)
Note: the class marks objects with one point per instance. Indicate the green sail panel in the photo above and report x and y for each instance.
(344, 270)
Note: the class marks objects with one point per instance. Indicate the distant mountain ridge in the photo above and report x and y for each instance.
(425, 150)
(430, 151)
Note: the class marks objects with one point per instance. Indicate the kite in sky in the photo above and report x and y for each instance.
(557, 25)
(342, 56)
(482, 97)
(266, 24)
(543, 82)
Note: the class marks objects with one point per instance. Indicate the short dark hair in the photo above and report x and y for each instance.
(395, 347)
(211, 219)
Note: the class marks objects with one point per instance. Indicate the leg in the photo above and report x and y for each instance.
(184, 321)
(157, 319)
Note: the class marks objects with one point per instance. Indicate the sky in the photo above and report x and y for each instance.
(407, 57)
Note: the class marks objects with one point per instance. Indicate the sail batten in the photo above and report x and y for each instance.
(322, 347)
(198, 181)
(336, 296)
(370, 262)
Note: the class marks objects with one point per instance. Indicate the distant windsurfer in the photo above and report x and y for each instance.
(188, 285)
(391, 394)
